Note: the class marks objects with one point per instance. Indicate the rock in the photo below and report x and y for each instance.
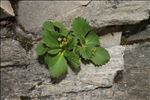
(137, 71)
(28, 11)
(34, 81)
(12, 53)
(6, 32)
(20, 81)
(90, 77)
(96, 94)
(31, 14)
(134, 84)
(6, 9)
(143, 35)
(85, 3)
(111, 39)
(10, 30)
(3, 14)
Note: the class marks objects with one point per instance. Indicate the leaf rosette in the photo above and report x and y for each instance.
(61, 47)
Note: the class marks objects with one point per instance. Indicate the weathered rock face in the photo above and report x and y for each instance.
(135, 83)
(12, 53)
(109, 40)
(31, 81)
(137, 71)
(140, 36)
(21, 80)
(34, 80)
(24, 78)
(29, 11)
(89, 77)
(6, 9)
(98, 13)
(5, 32)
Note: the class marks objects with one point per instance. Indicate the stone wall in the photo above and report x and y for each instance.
(124, 77)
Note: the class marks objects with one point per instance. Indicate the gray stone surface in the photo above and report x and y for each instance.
(88, 78)
(31, 14)
(110, 39)
(12, 53)
(3, 14)
(133, 85)
(34, 80)
(20, 81)
(6, 10)
(5, 33)
(125, 77)
(6, 6)
(137, 71)
(96, 94)
(135, 82)
(145, 34)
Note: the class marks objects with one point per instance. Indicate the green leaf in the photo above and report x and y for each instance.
(72, 44)
(82, 40)
(57, 66)
(41, 49)
(50, 39)
(61, 27)
(78, 42)
(80, 26)
(73, 60)
(47, 58)
(54, 51)
(92, 39)
(85, 52)
(47, 25)
(101, 56)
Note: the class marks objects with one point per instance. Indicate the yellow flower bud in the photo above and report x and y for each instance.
(64, 39)
(65, 42)
(61, 45)
(59, 39)
(94, 50)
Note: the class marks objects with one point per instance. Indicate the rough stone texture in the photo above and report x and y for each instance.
(20, 81)
(96, 94)
(8, 10)
(111, 39)
(34, 81)
(24, 80)
(135, 82)
(145, 34)
(12, 53)
(133, 85)
(4, 32)
(98, 13)
(28, 11)
(137, 71)
(3, 14)
(89, 77)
